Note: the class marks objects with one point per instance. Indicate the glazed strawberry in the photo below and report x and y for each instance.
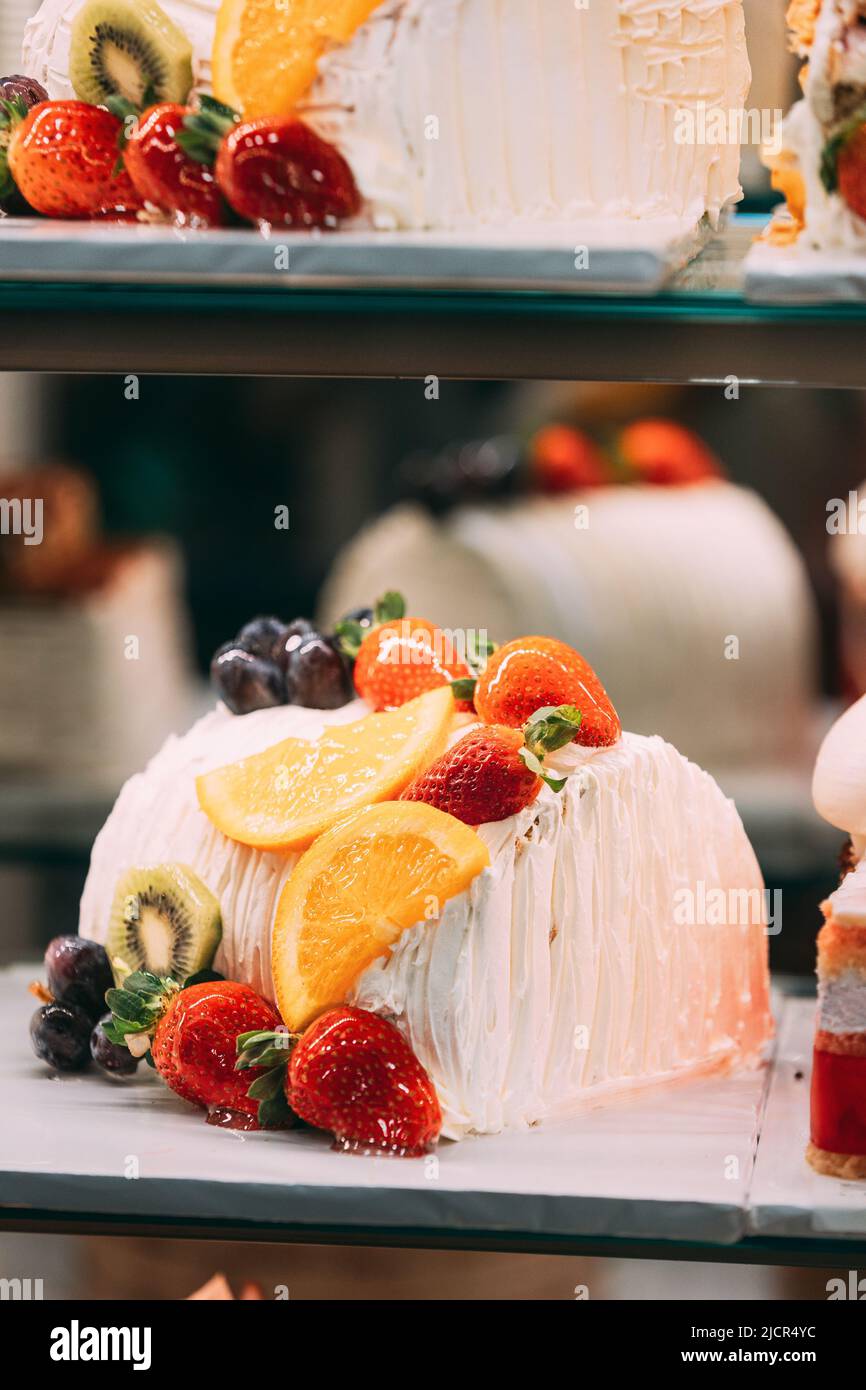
(399, 658)
(192, 1034)
(280, 173)
(851, 171)
(494, 772)
(565, 460)
(65, 159)
(532, 672)
(167, 176)
(354, 1074)
(666, 454)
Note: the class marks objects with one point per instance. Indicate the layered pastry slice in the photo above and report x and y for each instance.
(551, 912)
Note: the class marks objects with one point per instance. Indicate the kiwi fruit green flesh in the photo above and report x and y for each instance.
(164, 920)
(130, 49)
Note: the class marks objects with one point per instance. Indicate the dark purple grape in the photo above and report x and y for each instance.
(26, 93)
(364, 617)
(245, 682)
(60, 1034)
(117, 1062)
(318, 675)
(260, 635)
(288, 641)
(78, 972)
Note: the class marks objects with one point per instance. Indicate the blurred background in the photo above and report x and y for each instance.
(160, 497)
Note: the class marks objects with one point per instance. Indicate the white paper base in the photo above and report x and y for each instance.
(798, 275)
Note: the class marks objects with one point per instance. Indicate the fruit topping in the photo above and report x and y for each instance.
(288, 639)
(666, 454)
(129, 49)
(355, 1075)
(494, 772)
(280, 173)
(65, 159)
(60, 1034)
(78, 972)
(260, 635)
(163, 920)
(192, 1037)
(283, 798)
(848, 154)
(266, 55)
(114, 1060)
(17, 96)
(317, 674)
(562, 459)
(168, 178)
(357, 889)
(401, 657)
(247, 683)
(535, 672)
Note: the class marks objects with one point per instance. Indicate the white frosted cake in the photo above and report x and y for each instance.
(457, 113)
(617, 939)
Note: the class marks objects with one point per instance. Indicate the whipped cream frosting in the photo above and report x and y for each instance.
(650, 591)
(563, 975)
(460, 113)
(839, 782)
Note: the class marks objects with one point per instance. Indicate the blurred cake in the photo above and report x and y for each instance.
(92, 638)
(682, 587)
(838, 1129)
(821, 163)
(459, 113)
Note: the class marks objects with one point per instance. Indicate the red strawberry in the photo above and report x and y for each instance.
(566, 460)
(280, 173)
(165, 175)
(400, 658)
(192, 1034)
(532, 672)
(355, 1075)
(64, 157)
(666, 454)
(851, 171)
(494, 772)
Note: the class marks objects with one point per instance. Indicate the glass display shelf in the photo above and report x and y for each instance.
(701, 328)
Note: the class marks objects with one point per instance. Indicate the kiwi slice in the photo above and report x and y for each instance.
(129, 49)
(164, 920)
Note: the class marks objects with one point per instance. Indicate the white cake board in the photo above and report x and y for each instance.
(673, 1166)
(625, 257)
(797, 275)
(787, 1197)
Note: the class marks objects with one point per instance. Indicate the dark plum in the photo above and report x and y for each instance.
(25, 92)
(289, 639)
(260, 635)
(60, 1034)
(318, 675)
(116, 1062)
(245, 682)
(78, 972)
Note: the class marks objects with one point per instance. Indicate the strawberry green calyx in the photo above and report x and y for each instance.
(271, 1050)
(550, 728)
(464, 689)
(834, 147)
(390, 608)
(137, 1008)
(12, 113)
(205, 129)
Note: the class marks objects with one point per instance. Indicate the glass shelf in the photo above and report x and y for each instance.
(701, 329)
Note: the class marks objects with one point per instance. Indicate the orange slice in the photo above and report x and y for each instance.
(371, 877)
(266, 55)
(283, 798)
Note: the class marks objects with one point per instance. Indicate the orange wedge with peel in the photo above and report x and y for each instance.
(266, 52)
(283, 798)
(362, 884)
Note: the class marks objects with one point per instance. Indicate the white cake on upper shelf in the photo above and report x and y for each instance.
(693, 601)
(468, 113)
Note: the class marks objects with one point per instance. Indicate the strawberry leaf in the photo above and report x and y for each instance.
(390, 607)
(834, 147)
(350, 635)
(464, 688)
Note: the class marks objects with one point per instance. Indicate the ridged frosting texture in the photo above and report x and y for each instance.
(459, 113)
(574, 926)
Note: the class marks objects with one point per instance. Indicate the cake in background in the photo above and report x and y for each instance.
(821, 166)
(847, 558)
(838, 1128)
(631, 545)
(456, 113)
(93, 636)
